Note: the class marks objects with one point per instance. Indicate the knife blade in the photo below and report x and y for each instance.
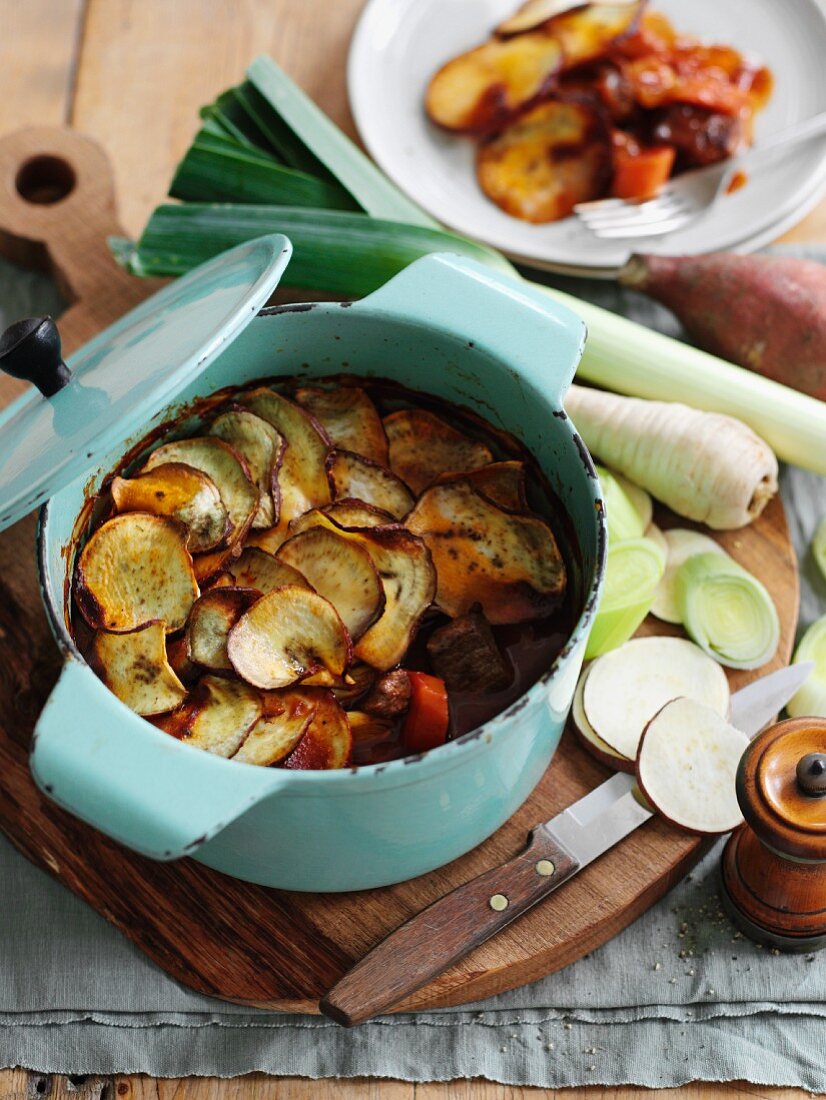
(450, 928)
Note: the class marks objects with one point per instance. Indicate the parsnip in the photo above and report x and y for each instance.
(705, 466)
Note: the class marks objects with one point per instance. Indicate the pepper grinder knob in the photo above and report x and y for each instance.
(30, 349)
(774, 866)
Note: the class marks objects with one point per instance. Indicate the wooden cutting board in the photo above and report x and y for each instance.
(217, 935)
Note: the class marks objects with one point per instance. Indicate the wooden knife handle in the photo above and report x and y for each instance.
(437, 937)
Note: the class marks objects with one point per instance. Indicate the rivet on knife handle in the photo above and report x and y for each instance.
(447, 930)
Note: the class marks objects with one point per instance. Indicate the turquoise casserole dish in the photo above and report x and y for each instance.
(445, 326)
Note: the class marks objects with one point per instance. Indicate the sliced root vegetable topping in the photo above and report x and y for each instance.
(362, 678)
(135, 667)
(633, 570)
(356, 478)
(287, 635)
(262, 448)
(727, 611)
(510, 564)
(681, 543)
(177, 653)
(481, 90)
(270, 538)
(586, 34)
(501, 482)
(687, 767)
(422, 446)
(590, 739)
(264, 572)
(550, 159)
(302, 477)
(355, 513)
(328, 741)
(349, 418)
(212, 617)
(810, 700)
(217, 717)
(533, 13)
(180, 492)
(622, 516)
(342, 571)
(224, 467)
(368, 730)
(285, 719)
(627, 687)
(135, 569)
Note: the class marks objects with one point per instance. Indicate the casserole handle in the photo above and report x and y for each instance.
(491, 311)
(138, 785)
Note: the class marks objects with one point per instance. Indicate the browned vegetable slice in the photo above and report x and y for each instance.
(483, 89)
(262, 448)
(258, 569)
(361, 677)
(422, 446)
(287, 635)
(284, 721)
(501, 482)
(355, 513)
(341, 571)
(350, 419)
(356, 478)
(134, 667)
(212, 617)
(328, 741)
(270, 539)
(465, 655)
(533, 13)
(177, 653)
(227, 470)
(217, 716)
(302, 476)
(135, 569)
(181, 492)
(508, 563)
(550, 159)
(586, 33)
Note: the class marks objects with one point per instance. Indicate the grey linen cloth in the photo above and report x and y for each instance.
(679, 996)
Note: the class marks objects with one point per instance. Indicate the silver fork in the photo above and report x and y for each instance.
(689, 195)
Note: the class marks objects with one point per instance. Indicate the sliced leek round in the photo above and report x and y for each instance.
(633, 571)
(624, 519)
(819, 547)
(810, 700)
(727, 611)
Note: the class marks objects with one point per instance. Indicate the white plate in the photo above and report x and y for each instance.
(399, 44)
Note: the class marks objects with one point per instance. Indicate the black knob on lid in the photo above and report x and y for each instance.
(30, 349)
(811, 774)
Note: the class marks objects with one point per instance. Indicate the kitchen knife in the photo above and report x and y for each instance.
(450, 928)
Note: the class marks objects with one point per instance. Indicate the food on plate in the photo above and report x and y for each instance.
(687, 765)
(680, 544)
(624, 689)
(590, 739)
(705, 466)
(577, 102)
(765, 313)
(810, 700)
(727, 611)
(342, 633)
(633, 570)
(819, 547)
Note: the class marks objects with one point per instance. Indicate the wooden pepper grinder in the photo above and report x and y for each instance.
(774, 866)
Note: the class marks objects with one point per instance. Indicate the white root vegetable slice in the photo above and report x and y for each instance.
(349, 418)
(502, 482)
(590, 739)
(328, 741)
(262, 448)
(285, 719)
(422, 446)
(302, 476)
(687, 767)
(810, 699)
(340, 570)
(264, 572)
(287, 635)
(585, 34)
(182, 493)
(533, 13)
(626, 688)
(508, 563)
(356, 478)
(727, 611)
(212, 617)
(681, 544)
(135, 667)
(227, 470)
(356, 513)
(217, 717)
(133, 570)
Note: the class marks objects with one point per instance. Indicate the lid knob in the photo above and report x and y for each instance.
(811, 774)
(30, 349)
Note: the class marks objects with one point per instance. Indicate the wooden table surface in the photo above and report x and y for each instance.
(132, 74)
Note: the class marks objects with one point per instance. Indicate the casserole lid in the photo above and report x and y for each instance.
(121, 378)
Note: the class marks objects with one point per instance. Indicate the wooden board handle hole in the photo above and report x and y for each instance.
(45, 180)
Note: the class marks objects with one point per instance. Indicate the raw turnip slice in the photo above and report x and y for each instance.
(627, 687)
(682, 543)
(590, 739)
(810, 700)
(687, 766)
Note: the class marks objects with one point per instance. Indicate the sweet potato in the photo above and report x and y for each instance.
(765, 313)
